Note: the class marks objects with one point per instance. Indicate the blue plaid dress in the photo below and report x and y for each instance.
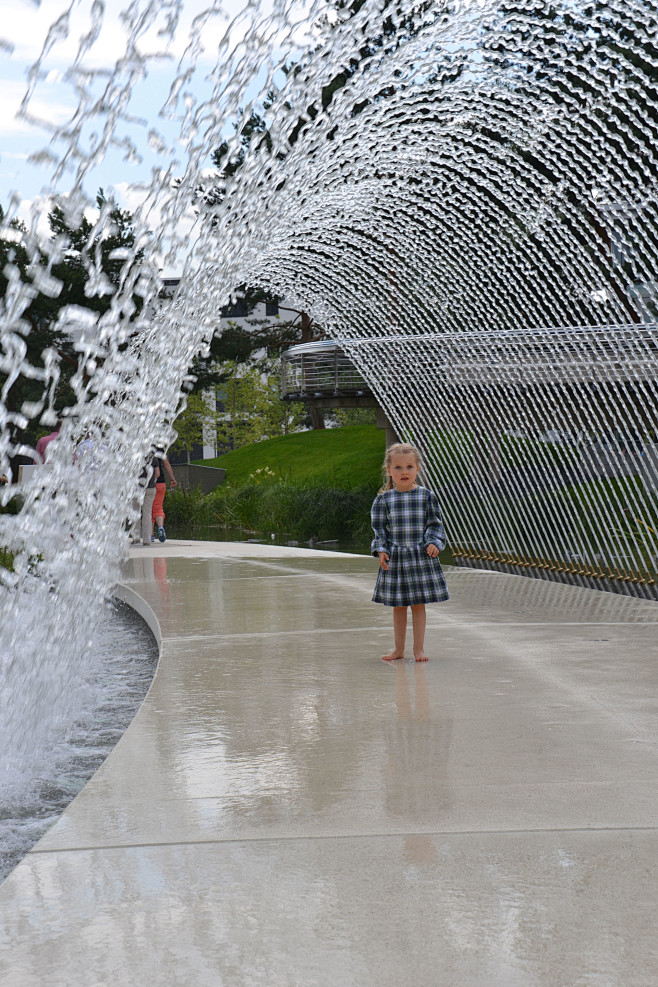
(405, 523)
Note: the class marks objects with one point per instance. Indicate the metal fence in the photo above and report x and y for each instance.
(318, 370)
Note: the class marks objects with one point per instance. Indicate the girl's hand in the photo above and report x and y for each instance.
(432, 551)
(383, 560)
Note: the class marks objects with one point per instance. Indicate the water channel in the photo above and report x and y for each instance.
(125, 656)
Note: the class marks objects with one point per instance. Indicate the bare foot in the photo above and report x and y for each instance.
(394, 655)
(421, 657)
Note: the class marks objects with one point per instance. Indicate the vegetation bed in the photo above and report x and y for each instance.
(305, 486)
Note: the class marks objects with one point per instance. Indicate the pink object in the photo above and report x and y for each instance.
(43, 442)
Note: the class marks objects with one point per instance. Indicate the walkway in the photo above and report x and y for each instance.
(286, 809)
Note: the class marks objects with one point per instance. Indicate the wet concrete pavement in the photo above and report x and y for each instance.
(286, 809)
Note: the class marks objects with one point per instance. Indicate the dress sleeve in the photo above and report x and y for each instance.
(379, 521)
(434, 531)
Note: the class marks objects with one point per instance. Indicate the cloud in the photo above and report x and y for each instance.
(37, 208)
(11, 96)
(56, 99)
(170, 258)
(26, 27)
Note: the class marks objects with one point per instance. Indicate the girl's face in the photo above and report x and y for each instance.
(403, 470)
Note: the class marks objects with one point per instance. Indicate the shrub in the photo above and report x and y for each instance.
(187, 507)
(303, 510)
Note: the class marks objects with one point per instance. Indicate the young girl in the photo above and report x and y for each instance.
(408, 537)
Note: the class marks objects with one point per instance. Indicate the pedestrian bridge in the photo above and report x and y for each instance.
(320, 370)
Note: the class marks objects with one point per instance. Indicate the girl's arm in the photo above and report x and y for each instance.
(379, 522)
(434, 530)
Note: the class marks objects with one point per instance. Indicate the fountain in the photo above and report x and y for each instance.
(125, 657)
(462, 193)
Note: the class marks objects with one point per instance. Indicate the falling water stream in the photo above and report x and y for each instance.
(463, 192)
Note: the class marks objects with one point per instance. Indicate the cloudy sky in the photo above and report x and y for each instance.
(52, 34)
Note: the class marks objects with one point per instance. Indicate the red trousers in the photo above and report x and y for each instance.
(158, 510)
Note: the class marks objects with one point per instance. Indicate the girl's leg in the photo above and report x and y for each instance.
(146, 522)
(399, 633)
(419, 621)
(157, 513)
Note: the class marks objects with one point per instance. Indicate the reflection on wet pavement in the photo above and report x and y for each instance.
(288, 809)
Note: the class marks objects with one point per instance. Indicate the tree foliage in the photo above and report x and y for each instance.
(253, 134)
(198, 419)
(38, 330)
(80, 266)
(559, 51)
(251, 409)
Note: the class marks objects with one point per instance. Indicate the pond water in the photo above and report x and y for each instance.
(219, 533)
(126, 655)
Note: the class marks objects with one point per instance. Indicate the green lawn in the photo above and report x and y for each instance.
(344, 458)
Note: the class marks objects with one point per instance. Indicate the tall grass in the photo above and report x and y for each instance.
(597, 520)
(298, 508)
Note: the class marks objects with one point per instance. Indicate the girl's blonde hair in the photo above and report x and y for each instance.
(398, 449)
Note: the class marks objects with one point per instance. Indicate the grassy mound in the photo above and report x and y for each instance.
(341, 458)
(308, 485)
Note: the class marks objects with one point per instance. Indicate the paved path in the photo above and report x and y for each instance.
(286, 809)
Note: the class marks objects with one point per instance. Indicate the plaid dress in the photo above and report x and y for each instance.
(405, 523)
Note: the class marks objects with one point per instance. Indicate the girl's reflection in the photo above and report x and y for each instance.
(403, 693)
(416, 774)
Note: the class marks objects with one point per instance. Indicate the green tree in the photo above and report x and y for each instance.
(355, 416)
(107, 256)
(253, 136)
(557, 52)
(281, 417)
(235, 344)
(244, 407)
(59, 273)
(42, 383)
(251, 408)
(199, 415)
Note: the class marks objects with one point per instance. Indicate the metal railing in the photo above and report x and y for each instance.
(571, 354)
(319, 370)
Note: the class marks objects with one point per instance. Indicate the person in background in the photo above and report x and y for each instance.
(147, 480)
(45, 440)
(161, 462)
(89, 455)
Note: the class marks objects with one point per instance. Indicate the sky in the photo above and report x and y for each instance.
(31, 149)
